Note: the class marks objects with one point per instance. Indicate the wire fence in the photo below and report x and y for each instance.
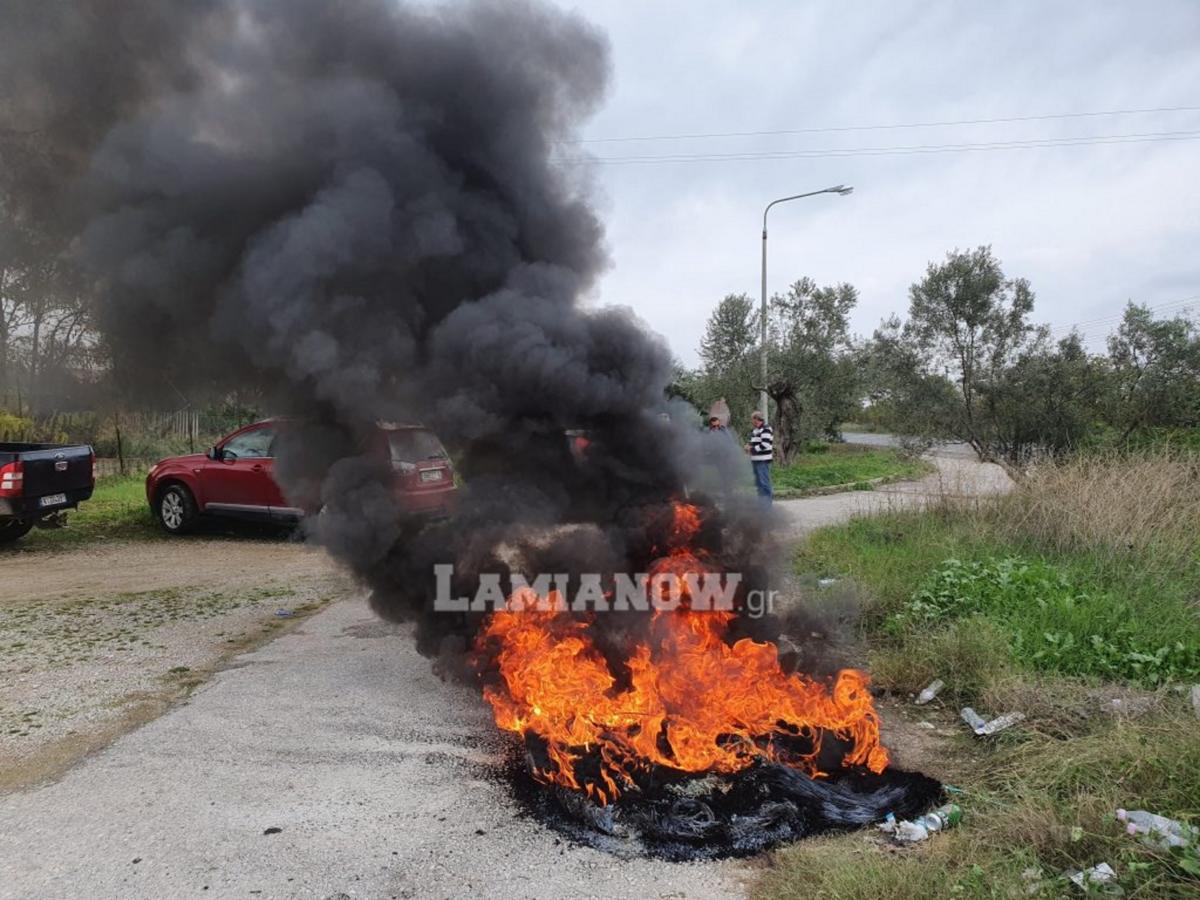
(128, 441)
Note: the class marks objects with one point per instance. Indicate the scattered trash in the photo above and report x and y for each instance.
(928, 726)
(983, 727)
(972, 718)
(930, 692)
(1196, 699)
(285, 613)
(273, 830)
(1132, 706)
(1098, 874)
(1158, 831)
(826, 582)
(1035, 884)
(1001, 722)
(908, 831)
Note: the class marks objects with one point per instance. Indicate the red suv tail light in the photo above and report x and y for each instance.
(12, 479)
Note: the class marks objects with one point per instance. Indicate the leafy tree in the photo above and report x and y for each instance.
(812, 379)
(1156, 372)
(918, 404)
(729, 352)
(1046, 401)
(968, 319)
(731, 331)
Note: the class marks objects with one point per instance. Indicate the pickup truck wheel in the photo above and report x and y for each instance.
(176, 509)
(14, 530)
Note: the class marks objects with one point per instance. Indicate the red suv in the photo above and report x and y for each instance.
(234, 478)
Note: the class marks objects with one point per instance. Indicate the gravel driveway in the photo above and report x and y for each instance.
(94, 641)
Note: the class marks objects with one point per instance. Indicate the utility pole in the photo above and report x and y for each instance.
(763, 403)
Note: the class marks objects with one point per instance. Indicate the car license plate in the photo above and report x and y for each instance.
(53, 500)
(431, 475)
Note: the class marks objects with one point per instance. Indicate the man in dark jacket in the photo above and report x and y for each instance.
(761, 448)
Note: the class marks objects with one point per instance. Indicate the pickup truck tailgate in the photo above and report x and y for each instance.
(55, 470)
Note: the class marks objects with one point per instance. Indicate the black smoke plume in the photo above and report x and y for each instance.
(357, 207)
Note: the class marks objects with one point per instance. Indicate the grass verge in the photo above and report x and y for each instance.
(849, 465)
(118, 511)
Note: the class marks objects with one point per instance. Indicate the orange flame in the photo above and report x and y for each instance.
(694, 703)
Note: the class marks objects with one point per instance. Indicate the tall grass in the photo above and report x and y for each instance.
(1142, 505)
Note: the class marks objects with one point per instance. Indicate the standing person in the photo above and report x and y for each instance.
(761, 448)
(721, 452)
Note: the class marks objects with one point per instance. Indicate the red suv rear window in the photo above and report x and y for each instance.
(414, 445)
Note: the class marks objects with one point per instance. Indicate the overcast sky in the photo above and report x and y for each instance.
(1089, 225)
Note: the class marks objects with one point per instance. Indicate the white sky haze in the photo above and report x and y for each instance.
(1089, 224)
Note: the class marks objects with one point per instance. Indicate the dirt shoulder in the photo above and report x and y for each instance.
(100, 639)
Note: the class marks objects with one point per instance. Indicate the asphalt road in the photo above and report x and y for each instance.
(957, 474)
(381, 779)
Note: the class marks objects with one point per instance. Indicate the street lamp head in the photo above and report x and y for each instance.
(842, 189)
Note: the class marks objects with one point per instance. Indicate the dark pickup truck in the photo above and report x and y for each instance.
(39, 480)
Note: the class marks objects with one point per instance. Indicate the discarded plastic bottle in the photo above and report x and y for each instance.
(972, 718)
(909, 832)
(983, 727)
(1000, 723)
(930, 692)
(1157, 829)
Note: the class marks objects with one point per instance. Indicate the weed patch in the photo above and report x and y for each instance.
(1055, 624)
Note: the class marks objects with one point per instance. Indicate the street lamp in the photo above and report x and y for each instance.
(762, 397)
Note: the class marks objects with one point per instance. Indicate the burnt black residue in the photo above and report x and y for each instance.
(713, 817)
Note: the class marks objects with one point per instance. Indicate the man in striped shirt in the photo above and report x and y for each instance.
(762, 450)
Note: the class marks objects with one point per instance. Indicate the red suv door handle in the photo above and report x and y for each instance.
(257, 467)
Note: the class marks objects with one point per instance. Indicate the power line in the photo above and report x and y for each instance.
(884, 127)
(1118, 315)
(902, 150)
(1108, 321)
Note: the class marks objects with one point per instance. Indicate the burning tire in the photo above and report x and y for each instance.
(176, 509)
(14, 530)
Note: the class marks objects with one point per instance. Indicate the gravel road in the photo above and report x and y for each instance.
(376, 778)
(96, 640)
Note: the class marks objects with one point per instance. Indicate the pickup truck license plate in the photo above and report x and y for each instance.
(53, 500)
(431, 475)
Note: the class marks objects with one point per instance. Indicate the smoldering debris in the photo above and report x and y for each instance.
(718, 816)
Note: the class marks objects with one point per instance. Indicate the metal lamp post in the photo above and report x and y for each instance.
(762, 398)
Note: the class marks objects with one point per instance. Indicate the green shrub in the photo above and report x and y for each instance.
(14, 427)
